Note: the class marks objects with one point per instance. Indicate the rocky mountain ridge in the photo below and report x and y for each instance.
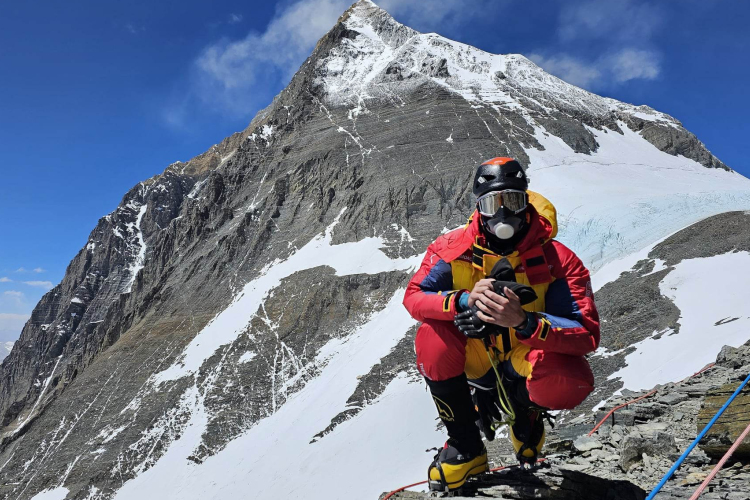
(227, 293)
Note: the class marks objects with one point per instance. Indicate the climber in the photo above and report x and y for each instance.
(507, 316)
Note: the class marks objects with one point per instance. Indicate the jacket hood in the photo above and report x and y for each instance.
(542, 217)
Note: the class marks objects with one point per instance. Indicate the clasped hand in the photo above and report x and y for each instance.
(490, 308)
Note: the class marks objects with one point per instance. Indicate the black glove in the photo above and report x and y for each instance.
(470, 325)
(503, 274)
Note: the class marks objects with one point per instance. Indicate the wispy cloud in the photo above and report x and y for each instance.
(283, 45)
(134, 29)
(631, 64)
(41, 284)
(20, 270)
(39, 270)
(623, 21)
(235, 18)
(569, 68)
(439, 15)
(614, 68)
(614, 38)
(5, 279)
(229, 75)
(13, 293)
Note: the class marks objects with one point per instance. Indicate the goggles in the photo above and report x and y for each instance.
(512, 199)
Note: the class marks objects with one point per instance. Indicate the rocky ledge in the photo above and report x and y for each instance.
(630, 453)
(550, 480)
(642, 441)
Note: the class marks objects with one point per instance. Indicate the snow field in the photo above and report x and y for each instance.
(711, 295)
(55, 494)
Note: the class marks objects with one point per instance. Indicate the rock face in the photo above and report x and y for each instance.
(261, 281)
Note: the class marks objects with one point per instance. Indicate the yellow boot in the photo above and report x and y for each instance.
(464, 454)
(450, 469)
(527, 436)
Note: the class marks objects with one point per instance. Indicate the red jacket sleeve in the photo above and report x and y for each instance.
(570, 323)
(429, 294)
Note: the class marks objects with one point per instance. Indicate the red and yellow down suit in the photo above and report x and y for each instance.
(552, 358)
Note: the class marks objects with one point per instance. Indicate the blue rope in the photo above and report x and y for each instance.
(697, 439)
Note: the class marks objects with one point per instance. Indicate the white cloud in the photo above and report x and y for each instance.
(5, 279)
(611, 69)
(630, 64)
(569, 69)
(20, 270)
(438, 15)
(611, 40)
(287, 40)
(235, 18)
(39, 270)
(41, 284)
(13, 293)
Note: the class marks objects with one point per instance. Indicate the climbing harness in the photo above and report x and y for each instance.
(507, 407)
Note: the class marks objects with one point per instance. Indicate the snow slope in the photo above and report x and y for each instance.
(628, 194)
(710, 318)
(381, 447)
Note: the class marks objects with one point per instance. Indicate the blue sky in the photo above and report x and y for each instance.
(96, 96)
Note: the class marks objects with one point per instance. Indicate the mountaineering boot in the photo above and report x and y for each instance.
(527, 432)
(464, 454)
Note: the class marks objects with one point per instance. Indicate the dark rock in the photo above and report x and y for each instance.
(633, 447)
(730, 424)
(673, 398)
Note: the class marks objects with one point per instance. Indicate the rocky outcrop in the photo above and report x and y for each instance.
(730, 425)
(640, 443)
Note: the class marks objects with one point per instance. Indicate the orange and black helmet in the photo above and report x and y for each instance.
(499, 174)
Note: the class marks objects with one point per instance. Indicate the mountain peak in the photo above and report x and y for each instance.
(381, 52)
(367, 18)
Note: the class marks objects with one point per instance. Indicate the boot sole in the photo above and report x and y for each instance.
(440, 486)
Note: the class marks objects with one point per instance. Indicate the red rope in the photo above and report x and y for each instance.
(613, 410)
(596, 428)
(389, 495)
(721, 463)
